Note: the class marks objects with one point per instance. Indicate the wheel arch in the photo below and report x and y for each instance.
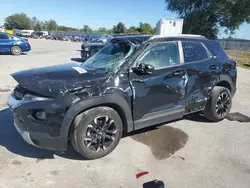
(226, 81)
(114, 101)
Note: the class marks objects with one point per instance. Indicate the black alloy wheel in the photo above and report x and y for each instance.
(222, 104)
(100, 134)
(96, 132)
(219, 104)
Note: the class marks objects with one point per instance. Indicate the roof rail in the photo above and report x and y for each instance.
(180, 35)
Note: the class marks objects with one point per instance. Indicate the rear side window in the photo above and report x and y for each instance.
(194, 51)
(4, 36)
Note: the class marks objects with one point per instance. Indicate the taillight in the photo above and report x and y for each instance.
(26, 42)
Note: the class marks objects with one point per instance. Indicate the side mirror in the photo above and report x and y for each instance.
(149, 68)
(143, 69)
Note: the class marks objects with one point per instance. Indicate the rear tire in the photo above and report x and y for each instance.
(16, 50)
(96, 132)
(219, 105)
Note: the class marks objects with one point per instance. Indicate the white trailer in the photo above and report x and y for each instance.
(45, 33)
(169, 27)
(26, 33)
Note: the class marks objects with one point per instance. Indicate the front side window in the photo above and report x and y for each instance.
(194, 51)
(2, 36)
(162, 55)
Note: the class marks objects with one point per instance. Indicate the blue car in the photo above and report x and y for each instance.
(13, 44)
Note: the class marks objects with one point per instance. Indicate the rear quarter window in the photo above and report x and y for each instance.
(215, 48)
(194, 51)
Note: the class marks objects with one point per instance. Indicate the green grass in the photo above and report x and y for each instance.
(242, 57)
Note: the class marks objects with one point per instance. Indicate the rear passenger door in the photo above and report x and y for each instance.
(202, 71)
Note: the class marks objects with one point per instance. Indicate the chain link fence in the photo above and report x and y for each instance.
(235, 44)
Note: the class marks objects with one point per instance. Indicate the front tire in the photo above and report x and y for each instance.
(96, 132)
(219, 105)
(16, 50)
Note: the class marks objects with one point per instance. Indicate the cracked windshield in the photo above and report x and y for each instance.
(125, 94)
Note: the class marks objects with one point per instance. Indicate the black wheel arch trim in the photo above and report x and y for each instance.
(105, 100)
(228, 79)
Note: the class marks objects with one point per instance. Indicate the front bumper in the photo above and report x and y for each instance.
(39, 134)
(24, 134)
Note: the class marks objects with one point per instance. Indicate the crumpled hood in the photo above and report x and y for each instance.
(54, 80)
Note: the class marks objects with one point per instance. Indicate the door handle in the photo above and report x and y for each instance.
(177, 73)
(213, 67)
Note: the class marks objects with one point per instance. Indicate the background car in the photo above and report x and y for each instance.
(13, 44)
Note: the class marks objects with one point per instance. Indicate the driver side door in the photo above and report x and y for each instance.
(159, 96)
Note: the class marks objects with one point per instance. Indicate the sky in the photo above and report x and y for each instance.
(97, 13)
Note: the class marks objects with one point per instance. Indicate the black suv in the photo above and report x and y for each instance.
(131, 83)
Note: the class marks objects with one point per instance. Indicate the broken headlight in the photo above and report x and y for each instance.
(29, 97)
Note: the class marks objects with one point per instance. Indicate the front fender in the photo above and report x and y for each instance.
(111, 99)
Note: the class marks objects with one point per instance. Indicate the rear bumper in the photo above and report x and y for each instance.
(26, 48)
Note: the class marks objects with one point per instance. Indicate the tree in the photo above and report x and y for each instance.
(145, 28)
(18, 21)
(37, 27)
(206, 17)
(33, 22)
(132, 30)
(51, 25)
(87, 29)
(102, 30)
(114, 29)
(68, 29)
(120, 28)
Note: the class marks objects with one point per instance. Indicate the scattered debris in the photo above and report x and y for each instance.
(141, 174)
(154, 184)
(177, 156)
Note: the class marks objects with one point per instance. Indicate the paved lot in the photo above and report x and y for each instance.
(187, 153)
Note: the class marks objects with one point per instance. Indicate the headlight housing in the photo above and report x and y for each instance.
(29, 97)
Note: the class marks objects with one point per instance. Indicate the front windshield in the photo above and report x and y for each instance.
(110, 57)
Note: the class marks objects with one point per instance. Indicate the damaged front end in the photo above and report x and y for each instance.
(47, 99)
(40, 101)
(38, 118)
